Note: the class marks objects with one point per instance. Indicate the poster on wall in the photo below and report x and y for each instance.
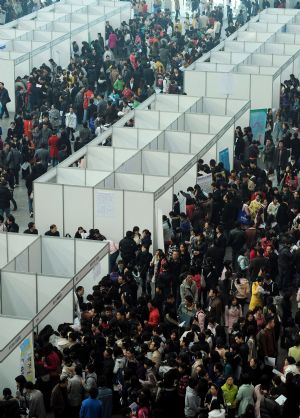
(224, 158)
(27, 359)
(104, 205)
(204, 182)
(258, 120)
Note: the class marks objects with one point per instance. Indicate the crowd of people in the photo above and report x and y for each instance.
(207, 326)
(15, 9)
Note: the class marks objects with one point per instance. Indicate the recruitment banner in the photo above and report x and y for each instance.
(27, 359)
(205, 182)
(258, 121)
(224, 158)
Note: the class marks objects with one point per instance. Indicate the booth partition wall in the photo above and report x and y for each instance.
(256, 58)
(123, 186)
(34, 39)
(37, 289)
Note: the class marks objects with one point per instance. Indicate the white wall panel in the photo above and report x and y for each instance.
(138, 210)
(195, 83)
(58, 256)
(78, 208)
(48, 206)
(110, 222)
(261, 83)
(196, 123)
(48, 287)
(18, 294)
(35, 257)
(198, 141)
(155, 163)
(73, 176)
(177, 141)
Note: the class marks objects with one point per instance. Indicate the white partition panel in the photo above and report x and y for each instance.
(189, 179)
(22, 261)
(48, 206)
(95, 275)
(18, 294)
(58, 257)
(196, 123)
(93, 177)
(132, 165)
(48, 287)
(166, 119)
(100, 158)
(153, 183)
(177, 141)
(211, 154)
(228, 84)
(167, 102)
(85, 250)
(108, 209)
(165, 202)
(35, 257)
(138, 210)
(121, 155)
(125, 138)
(214, 106)
(128, 181)
(146, 136)
(8, 78)
(198, 141)
(178, 161)
(217, 122)
(3, 250)
(261, 83)
(155, 163)
(78, 208)
(71, 175)
(146, 119)
(17, 243)
(195, 83)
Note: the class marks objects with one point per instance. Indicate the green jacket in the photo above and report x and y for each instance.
(119, 85)
(229, 393)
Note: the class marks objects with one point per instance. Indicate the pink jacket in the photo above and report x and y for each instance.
(201, 319)
(112, 40)
(232, 314)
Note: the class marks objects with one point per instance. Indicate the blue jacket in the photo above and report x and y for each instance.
(91, 408)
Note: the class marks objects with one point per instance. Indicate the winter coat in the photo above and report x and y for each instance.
(192, 403)
(244, 397)
(232, 315)
(112, 40)
(75, 391)
(9, 407)
(71, 120)
(256, 297)
(13, 159)
(53, 148)
(5, 197)
(188, 289)
(229, 394)
(127, 247)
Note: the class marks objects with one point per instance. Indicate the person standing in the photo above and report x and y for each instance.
(9, 406)
(35, 401)
(5, 198)
(53, 148)
(71, 123)
(281, 160)
(4, 99)
(105, 396)
(91, 407)
(59, 398)
(75, 391)
(177, 9)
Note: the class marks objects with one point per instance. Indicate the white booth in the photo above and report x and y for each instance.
(37, 288)
(31, 41)
(160, 161)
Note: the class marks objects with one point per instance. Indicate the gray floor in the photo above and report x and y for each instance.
(20, 193)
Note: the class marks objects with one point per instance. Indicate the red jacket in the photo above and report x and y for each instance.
(154, 316)
(53, 148)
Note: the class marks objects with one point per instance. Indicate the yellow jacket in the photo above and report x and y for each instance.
(256, 297)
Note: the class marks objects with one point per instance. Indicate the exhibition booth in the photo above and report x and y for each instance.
(37, 288)
(154, 169)
(30, 41)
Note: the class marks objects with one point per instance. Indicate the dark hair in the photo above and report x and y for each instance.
(93, 392)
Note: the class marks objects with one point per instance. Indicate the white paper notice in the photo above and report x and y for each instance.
(104, 205)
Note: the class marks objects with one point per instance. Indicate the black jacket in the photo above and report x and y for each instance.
(127, 247)
(5, 197)
(9, 408)
(237, 239)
